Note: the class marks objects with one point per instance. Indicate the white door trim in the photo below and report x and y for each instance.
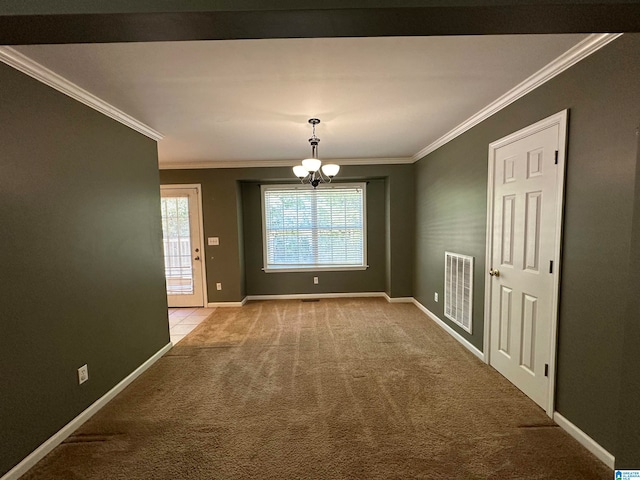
(559, 119)
(198, 188)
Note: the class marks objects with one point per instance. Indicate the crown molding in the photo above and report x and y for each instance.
(279, 163)
(28, 66)
(572, 56)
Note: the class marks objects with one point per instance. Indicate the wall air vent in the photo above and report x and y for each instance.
(458, 289)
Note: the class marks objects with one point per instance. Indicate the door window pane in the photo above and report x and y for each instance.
(177, 245)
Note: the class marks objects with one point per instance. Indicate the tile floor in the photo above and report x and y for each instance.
(183, 320)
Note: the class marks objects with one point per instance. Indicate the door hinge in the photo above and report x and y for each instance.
(550, 266)
(546, 369)
(557, 153)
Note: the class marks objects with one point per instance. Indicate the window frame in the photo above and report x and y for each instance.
(318, 268)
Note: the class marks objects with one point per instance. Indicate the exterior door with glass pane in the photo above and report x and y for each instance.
(182, 245)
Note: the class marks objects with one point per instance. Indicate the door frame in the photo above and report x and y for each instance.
(559, 119)
(203, 244)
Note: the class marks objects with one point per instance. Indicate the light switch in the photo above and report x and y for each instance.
(213, 241)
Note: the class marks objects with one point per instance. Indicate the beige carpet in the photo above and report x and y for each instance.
(338, 389)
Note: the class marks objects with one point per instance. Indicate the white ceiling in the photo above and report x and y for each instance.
(249, 100)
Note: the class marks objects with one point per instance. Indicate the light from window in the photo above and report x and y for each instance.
(307, 229)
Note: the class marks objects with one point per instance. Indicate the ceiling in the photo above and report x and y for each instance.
(240, 102)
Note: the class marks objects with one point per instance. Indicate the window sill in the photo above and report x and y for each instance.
(336, 268)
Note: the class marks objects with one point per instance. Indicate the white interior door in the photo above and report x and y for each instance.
(181, 230)
(525, 223)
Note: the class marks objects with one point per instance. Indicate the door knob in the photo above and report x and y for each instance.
(494, 273)
(197, 258)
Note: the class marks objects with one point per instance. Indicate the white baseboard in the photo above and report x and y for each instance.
(585, 440)
(303, 296)
(398, 299)
(40, 452)
(226, 304)
(465, 343)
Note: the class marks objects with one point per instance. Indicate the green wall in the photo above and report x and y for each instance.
(232, 213)
(451, 213)
(603, 97)
(628, 452)
(81, 254)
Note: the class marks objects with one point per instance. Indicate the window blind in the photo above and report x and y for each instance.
(307, 228)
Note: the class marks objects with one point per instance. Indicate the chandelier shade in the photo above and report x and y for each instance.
(330, 169)
(311, 164)
(300, 172)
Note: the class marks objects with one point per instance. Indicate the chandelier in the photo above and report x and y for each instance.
(311, 171)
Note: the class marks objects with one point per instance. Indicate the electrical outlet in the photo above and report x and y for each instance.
(218, 286)
(83, 374)
(315, 280)
(435, 296)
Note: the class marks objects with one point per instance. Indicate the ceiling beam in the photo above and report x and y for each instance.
(97, 21)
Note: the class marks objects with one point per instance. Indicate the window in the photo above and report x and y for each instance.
(307, 229)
